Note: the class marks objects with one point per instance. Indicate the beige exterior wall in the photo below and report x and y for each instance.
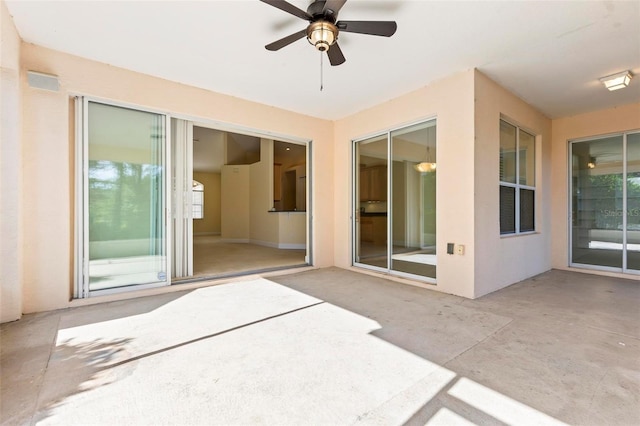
(450, 101)
(501, 261)
(210, 224)
(10, 171)
(37, 153)
(613, 120)
(48, 168)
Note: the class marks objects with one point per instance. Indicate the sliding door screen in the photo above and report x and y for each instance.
(125, 224)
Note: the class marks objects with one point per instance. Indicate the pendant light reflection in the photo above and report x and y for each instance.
(426, 166)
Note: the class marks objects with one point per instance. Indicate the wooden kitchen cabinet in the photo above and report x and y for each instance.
(373, 183)
(366, 229)
(373, 229)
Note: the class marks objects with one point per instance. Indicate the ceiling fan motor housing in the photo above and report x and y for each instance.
(322, 34)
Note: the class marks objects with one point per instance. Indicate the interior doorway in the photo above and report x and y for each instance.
(243, 209)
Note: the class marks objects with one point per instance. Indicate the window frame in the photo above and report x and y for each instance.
(197, 189)
(517, 186)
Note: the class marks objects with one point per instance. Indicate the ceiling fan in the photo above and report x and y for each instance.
(324, 27)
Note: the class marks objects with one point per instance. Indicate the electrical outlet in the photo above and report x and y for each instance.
(460, 249)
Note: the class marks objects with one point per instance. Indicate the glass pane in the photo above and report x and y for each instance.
(527, 210)
(413, 227)
(527, 159)
(507, 152)
(371, 192)
(597, 202)
(507, 210)
(126, 197)
(633, 201)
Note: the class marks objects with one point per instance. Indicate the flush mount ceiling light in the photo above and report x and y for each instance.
(617, 81)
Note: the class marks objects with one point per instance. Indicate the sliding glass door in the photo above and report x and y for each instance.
(413, 209)
(370, 192)
(123, 198)
(394, 198)
(605, 203)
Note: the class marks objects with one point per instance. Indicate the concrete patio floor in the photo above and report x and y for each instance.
(333, 347)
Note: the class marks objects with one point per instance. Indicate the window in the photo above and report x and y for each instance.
(517, 179)
(197, 202)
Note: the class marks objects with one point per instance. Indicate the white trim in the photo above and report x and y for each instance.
(78, 231)
(236, 128)
(118, 103)
(396, 128)
(125, 289)
(625, 183)
(290, 246)
(517, 185)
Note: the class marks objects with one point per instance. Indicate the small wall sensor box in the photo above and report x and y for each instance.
(450, 247)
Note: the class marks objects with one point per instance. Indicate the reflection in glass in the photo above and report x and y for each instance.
(371, 195)
(597, 202)
(527, 158)
(507, 152)
(125, 197)
(633, 201)
(414, 200)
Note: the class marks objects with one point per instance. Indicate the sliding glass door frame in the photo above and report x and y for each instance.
(624, 269)
(81, 211)
(355, 215)
(355, 209)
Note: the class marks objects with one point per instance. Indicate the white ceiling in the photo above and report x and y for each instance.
(550, 53)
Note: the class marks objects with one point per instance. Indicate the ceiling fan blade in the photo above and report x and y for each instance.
(335, 55)
(334, 6)
(285, 41)
(379, 28)
(289, 8)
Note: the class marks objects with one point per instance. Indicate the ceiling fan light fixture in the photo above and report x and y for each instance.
(322, 35)
(425, 167)
(617, 81)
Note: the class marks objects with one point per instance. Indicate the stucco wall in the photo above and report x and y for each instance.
(501, 261)
(450, 100)
(48, 168)
(613, 120)
(10, 171)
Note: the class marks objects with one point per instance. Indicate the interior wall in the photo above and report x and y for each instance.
(451, 101)
(48, 168)
(235, 201)
(10, 171)
(210, 224)
(501, 261)
(613, 120)
(264, 225)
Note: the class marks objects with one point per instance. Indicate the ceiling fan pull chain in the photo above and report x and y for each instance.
(321, 74)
